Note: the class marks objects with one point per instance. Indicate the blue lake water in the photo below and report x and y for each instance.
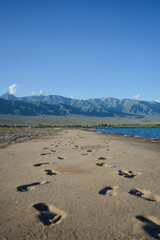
(151, 133)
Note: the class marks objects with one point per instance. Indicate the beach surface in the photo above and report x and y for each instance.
(77, 184)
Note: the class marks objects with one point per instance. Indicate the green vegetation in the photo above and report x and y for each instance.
(12, 126)
(74, 121)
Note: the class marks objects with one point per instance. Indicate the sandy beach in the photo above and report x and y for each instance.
(78, 184)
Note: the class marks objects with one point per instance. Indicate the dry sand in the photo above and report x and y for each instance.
(80, 185)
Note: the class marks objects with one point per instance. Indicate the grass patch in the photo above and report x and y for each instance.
(14, 121)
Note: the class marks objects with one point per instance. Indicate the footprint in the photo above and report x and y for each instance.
(49, 214)
(43, 154)
(53, 150)
(100, 164)
(89, 150)
(105, 165)
(29, 187)
(128, 174)
(40, 164)
(152, 225)
(51, 172)
(145, 194)
(45, 148)
(109, 191)
(84, 154)
(61, 158)
(102, 158)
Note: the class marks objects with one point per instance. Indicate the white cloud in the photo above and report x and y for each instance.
(45, 92)
(75, 96)
(13, 88)
(71, 96)
(41, 92)
(138, 96)
(158, 100)
(33, 93)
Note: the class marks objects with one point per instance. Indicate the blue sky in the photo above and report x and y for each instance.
(80, 48)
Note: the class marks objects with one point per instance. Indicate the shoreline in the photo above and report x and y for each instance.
(24, 135)
(132, 137)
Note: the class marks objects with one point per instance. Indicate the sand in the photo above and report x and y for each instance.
(78, 184)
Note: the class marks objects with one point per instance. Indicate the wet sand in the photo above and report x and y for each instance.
(77, 184)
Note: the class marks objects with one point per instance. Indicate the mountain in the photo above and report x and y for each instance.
(38, 108)
(102, 107)
(127, 106)
(51, 99)
(8, 96)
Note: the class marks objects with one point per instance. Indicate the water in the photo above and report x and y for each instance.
(150, 132)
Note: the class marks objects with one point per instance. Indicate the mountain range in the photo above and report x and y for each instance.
(58, 105)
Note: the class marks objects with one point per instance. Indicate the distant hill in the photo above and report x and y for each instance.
(128, 106)
(8, 96)
(38, 108)
(108, 107)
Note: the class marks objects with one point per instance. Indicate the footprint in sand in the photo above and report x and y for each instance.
(29, 187)
(128, 174)
(61, 158)
(145, 194)
(152, 225)
(40, 164)
(84, 154)
(45, 148)
(49, 214)
(109, 190)
(107, 165)
(76, 147)
(53, 150)
(43, 154)
(51, 172)
(89, 150)
(102, 158)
